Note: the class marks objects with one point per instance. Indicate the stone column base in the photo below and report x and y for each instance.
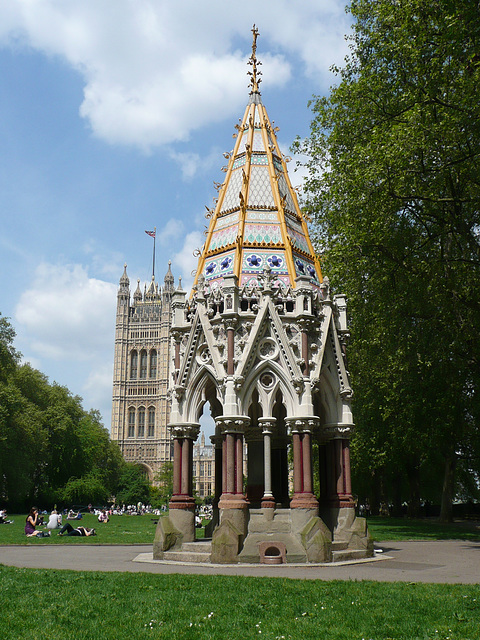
(268, 502)
(303, 501)
(182, 516)
(238, 516)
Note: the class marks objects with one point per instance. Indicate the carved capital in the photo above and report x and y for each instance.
(298, 385)
(332, 431)
(186, 430)
(302, 424)
(267, 425)
(232, 424)
(179, 391)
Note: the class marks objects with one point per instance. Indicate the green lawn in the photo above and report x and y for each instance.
(405, 529)
(141, 530)
(38, 604)
(120, 530)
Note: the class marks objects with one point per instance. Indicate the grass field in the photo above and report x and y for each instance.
(120, 530)
(405, 529)
(141, 530)
(38, 604)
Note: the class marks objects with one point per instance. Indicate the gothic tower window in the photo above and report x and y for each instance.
(133, 365)
(141, 423)
(131, 422)
(143, 364)
(151, 422)
(153, 364)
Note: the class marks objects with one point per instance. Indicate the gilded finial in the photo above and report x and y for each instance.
(254, 74)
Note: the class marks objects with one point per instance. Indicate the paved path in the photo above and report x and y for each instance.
(452, 561)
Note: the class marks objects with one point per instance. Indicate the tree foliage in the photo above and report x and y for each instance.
(394, 192)
(51, 449)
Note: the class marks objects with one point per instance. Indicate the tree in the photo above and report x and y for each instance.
(9, 357)
(394, 192)
(165, 483)
(133, 486)
(51, 449)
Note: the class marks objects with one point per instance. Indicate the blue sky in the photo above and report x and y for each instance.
(114, 115)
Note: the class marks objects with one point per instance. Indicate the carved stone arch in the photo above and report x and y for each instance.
(148, 471)
(282, 382)
(202, 388)
(326, 399)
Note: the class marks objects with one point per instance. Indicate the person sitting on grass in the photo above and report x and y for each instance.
(103, 516)
(79, 531)
(54, 521)
(31, 522)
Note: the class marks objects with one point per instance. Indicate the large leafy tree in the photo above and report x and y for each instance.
(51, 449)
(394, 191)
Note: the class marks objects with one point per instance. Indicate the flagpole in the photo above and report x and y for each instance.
(154, 238)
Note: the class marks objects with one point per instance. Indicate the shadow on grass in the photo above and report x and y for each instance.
(422, 529)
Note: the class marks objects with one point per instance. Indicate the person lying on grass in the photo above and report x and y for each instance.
(79, 531)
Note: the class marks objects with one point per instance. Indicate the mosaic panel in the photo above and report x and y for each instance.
(257, 261)
(299, 241)
(283, 188)
(267, 233)
(293, 223)
(223, 237)
(262, 216)
(231, 199)
(259, 159)
(219, 266)
(305, 268)
(277, 164)
(260, 193)
(258, 141)
(226, 221)
(239, 162)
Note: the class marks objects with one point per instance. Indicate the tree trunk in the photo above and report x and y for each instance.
(414, 482)
(446, 514)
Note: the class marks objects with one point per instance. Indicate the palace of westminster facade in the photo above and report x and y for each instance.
(140, 412)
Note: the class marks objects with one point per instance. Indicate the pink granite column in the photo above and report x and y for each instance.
(303, 497)
(183, 437)
(307, 463)
(232, 464)
(239, 463)
(177, 466)
(297, 463)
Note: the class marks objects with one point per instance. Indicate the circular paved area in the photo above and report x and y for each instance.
(452, 561)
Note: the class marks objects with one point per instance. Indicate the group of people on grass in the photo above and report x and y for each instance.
(54, 522)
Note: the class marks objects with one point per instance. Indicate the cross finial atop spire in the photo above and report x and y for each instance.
(254, 74)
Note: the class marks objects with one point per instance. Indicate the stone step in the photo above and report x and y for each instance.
(348, 554)
(202, 546)
(186, 556)
(339, 546)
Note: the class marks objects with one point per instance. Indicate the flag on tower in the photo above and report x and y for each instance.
(150, 233)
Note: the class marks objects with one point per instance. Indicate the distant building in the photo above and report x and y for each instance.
(204, 468)
(140, 373)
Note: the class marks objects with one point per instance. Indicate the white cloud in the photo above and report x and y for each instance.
(184, 262)
(155, 70)
(67, 315)
(170, 232)
(97, 390)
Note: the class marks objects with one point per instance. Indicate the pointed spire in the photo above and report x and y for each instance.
(124, 279)
(137, 296)
(169, 279)
(254, 73)
(257, 222)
